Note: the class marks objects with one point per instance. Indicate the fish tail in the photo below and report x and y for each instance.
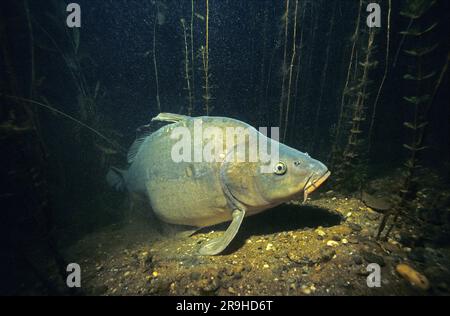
(116, 178)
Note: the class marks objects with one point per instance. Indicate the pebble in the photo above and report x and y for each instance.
(332, 243)
(355, 227)
(336, 238)
(269, 247)
(306, 290)
(320, 232)
(373, 258)
(357, 260)
(415, 278)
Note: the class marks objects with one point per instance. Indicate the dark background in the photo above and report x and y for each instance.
(246, 55)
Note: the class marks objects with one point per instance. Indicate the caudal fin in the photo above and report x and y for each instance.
(116, 178)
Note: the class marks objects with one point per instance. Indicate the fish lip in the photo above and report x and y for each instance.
(311, 187)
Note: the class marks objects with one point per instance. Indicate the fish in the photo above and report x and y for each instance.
(202, 193)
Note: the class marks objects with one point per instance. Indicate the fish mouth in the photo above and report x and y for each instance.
(311, 186)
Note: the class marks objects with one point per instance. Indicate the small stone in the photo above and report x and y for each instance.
(354, 227)
(320, 232)
(336, 238)
(344, 241)
(195, 275)
(306, 290)
(126, 274)
(266, 266)
(415, 278)
(332, 243)
(231, 290)
(357, 260)
(269, 247)
(373, 258)
(353, 241)
(326, 255)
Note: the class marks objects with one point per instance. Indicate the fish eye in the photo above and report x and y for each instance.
(280, 168)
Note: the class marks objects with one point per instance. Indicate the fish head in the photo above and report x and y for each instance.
(294, 174)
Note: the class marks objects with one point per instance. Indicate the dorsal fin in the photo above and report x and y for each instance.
(170, 117)
(142, 132)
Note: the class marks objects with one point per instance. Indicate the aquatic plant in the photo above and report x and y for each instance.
(345, 92)
(323, 79)
(291, 68)
(284, 65)
(386, 67)
(348, 163)
(155, 64)
(205, 59)
(186, 69)
(261, 100)
(27, 214)
(421, 81)
(192, 53)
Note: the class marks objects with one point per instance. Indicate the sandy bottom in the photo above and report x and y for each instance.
(322, 247)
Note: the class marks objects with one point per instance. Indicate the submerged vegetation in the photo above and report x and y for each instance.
(370, 102)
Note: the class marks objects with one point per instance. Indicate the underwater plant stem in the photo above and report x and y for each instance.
(323, 80)
(283, 67)
(386, 68)
(154, 59)
(297, 75)
(347, 82)
(205, 56)
(67, 116)
(32, 59)
(402, 41)
(262, 101)
(192, 55)
(291, 67)
(186, 67)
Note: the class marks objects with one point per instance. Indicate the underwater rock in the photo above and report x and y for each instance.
(332, 243)
(320, 232)
(327, 255)
(354, 227)
(415, 278)
(370, 257)
(378, 204)
(336, 238)
(357, 260)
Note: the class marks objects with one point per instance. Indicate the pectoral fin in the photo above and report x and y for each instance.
(217, 245)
